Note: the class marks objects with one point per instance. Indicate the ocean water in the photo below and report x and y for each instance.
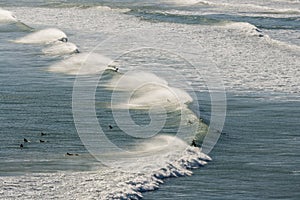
(150, 77)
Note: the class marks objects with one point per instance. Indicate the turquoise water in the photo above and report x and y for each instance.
(257, 155)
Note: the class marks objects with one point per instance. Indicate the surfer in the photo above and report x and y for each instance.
(194, 143)
(25, 140)
(64, 39)
(110, 127)
(21, 146)
(42, 141)
(71, 154)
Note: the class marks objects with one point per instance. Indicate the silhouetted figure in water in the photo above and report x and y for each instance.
(71, 154)
(42, 141)
(116, 69)
(190, 122)
(193, 143)
(110, 127)
(42, 134)
(258, 30)
(25, 140)
(21, 146)
(64, 39)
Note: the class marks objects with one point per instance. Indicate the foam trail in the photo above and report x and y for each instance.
(44, 36)
(61, 48)
(82, 64)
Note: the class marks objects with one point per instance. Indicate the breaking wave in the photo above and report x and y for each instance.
(106, 183)
(44, 36)
(81, 64)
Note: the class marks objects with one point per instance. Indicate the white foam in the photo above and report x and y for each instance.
(256, 7)
(60, 48)
(107, 8)
(7, 16)
(44, 36)
(282, 44)
(82, 64)
(185, 2)
(230, 48)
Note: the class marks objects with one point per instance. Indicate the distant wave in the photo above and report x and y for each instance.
(175, 17)
(251, 30)
(266, 9)
(249, 7)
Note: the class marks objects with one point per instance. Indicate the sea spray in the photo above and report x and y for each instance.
(44, 36)
(81, 64)
(60, 48)
(7, 17)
